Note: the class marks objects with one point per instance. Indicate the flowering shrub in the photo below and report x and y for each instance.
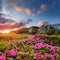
(2, 58)
(12, 52)
(33, 48)
(39, 56)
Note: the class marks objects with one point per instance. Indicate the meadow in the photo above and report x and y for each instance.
(29, 47)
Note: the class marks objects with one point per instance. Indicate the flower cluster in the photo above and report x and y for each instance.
(13, 53)
(2, 58)
(33, 48)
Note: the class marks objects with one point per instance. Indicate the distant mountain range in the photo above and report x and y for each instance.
(56, 26)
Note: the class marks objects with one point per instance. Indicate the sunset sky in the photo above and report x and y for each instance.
(22, 12)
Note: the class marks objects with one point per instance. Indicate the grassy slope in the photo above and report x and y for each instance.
(4, 38)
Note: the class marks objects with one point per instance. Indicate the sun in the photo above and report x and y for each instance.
(8, 31)
(5, 31)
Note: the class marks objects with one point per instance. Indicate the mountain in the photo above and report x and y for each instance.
(56, 26)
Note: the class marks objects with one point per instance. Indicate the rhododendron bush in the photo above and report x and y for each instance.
(32, 48)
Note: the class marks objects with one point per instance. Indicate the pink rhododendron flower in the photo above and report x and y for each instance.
(39, 56)
(46, 55)
(52, 57)
(13, 52)
(11, 59)
(2, 58)
(0, 53)
(6, 51)
(32, 50)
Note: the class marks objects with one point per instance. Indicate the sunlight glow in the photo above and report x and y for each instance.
(5, 31)
(8, 31)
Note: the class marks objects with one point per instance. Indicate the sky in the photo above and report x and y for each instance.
(24, 12)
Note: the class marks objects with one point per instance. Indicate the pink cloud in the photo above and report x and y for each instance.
(41, 23)
(6, 24)
(21, 9)
(16, 7)
(43, 8)
(28, 11)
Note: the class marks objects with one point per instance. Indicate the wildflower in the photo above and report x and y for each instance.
(6, 51)
(58, 50)
(2, 58)
(32, 50)
(31, 38)
(10, 58)
(52, 57)
(18, 57)
(0, 53)
(43, 51)
(39, 56)
(46, 56)
(13, 53)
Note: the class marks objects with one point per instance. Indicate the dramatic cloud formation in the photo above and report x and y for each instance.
(28, 11)
(25, 7)
(16, 7)
(21, 9)
(18, 13)
(6, 24)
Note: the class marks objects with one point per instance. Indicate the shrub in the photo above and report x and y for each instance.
(3, 45)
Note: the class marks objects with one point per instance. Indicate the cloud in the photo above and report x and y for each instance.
(25, 24)
(3, 20)
(45, 7)
(28, 11)
(21, 9)
(42, 8)
(6, 24)
(16, 7)
(41, 23)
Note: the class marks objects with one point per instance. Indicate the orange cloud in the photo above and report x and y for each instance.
(6, 24)
(21, 9)
(16, 7)
(41, 23)
(43, 8)
(28, 11)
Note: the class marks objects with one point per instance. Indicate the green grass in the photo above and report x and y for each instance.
(57, 36)
(3, 45)
(14, 36)
(4, 39)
